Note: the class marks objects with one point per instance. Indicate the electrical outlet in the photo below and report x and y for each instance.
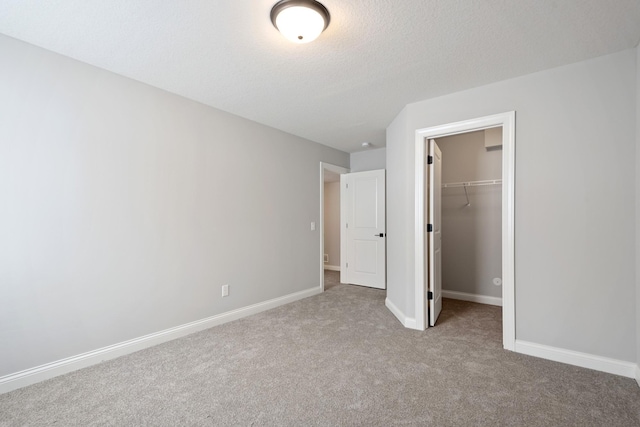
(225, 290)
(313, 226)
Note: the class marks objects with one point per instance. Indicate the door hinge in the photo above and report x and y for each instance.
(347, 225)
(429, 295)
(347, 185)
(429, 228)
(429, 160)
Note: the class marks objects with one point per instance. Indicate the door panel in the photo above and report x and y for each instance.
(363, 214)
(434, 252)
(365, 256)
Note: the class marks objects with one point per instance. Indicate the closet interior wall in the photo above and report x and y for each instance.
(471, 222)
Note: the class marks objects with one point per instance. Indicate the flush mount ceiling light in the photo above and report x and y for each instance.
(300, 21)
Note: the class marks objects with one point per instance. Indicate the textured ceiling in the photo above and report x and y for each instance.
(347, 86)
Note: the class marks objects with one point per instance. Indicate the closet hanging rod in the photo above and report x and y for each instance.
(472, 183)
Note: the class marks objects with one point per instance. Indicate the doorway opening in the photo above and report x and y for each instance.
(423, 284)
(470, 206)
(330, 242)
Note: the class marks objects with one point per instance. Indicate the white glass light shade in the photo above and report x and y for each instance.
(300, 21)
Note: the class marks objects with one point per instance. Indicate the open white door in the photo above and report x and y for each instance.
(363, 223)
(434, 231)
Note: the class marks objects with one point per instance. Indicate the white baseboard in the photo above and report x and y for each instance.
(584, 360)
(410, 323)
(481, 299)
(638, 375)
(407, 322)
(332, 267)
(43, 372)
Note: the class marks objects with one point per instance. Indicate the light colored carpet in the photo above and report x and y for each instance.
(331, 279)
(336, 359)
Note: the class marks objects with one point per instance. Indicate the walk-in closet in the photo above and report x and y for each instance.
(471, 216)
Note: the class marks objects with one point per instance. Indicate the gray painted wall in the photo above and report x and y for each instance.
(332, 223)
(638, 211)
(471, 235)
(400, 228)
(125, 208)
(575, 168)
(369, 160)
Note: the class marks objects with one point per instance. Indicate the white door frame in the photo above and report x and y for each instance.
(339, 170)
(507, 122)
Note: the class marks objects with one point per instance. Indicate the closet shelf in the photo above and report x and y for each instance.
(473, 183)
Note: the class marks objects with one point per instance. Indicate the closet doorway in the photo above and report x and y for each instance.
(471, 206)
(477, 203)
(330, 242)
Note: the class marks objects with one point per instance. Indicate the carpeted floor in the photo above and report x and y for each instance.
(331, 279)
(336, 359)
